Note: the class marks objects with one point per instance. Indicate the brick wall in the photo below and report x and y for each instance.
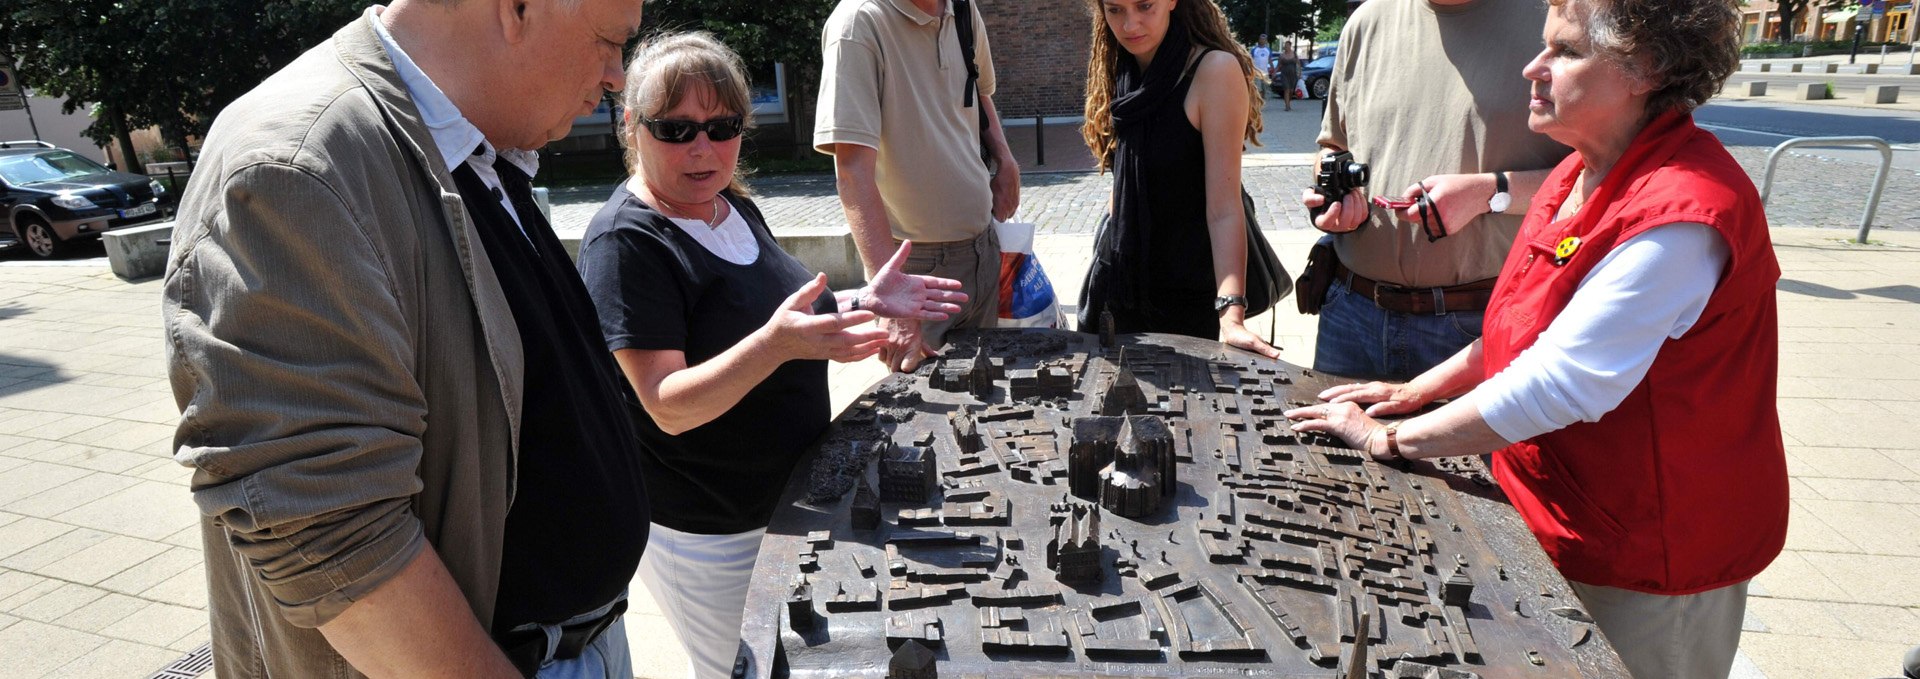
(1039, 54)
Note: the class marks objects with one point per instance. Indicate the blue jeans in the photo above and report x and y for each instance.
(606, 658)
(1360, 340)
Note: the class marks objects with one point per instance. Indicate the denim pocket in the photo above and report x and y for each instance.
(1467, 324)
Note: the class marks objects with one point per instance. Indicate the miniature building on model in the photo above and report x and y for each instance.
(1124, 463)
(907, 474)
(1117, 392)
(966, 432)
(1044, 382)
(970, 375)
(1074, 551)
(912, 661)
(800, 606)
(864, 513)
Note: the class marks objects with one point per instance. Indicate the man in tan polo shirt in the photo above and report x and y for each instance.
(901, 114)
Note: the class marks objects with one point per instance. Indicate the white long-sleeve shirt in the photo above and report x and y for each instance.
(1648, 289)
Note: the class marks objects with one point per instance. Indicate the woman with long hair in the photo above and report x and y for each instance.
(1171, 98)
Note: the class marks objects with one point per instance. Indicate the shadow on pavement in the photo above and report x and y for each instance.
(20, 375)
(1898, 293)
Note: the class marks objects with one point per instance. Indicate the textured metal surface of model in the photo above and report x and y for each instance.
(1140, 509)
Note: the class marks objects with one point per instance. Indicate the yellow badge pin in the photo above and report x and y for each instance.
(1563, 252)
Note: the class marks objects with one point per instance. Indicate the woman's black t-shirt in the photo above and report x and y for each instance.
(658, 289)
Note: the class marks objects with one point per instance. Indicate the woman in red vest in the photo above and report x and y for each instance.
(1628, 367)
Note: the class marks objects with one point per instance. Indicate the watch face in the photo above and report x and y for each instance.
(1500, 202)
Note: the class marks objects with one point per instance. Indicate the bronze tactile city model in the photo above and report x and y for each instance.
(1060, 504)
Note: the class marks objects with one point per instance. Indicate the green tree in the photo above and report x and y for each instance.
(170, 64)
(1252, 18)
(782, 31)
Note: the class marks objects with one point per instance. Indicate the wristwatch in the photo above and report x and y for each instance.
(1222, 302)
(1501, 200)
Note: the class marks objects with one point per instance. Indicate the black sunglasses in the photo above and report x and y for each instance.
(682, 131)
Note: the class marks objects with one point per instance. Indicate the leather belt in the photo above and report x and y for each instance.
(527, 649)
(1465, 297)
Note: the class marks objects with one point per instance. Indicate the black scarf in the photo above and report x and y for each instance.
(1138, 97)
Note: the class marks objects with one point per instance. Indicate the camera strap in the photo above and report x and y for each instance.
(1430, 216)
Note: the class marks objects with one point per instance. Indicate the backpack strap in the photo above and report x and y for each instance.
(963, 29)
(963, 26)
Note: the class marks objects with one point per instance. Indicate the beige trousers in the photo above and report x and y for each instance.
(1692, 636)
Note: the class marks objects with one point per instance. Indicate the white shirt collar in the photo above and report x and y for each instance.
(452, 133)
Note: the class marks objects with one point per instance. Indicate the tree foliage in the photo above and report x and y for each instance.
(171, 64)
(1251, 18)
(761, 31)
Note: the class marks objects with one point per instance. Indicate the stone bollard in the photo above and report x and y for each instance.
(136, 252)
(1882, 94)
(1810, 91)
(1757, 88)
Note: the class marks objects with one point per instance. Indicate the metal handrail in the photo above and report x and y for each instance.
(1879, 178)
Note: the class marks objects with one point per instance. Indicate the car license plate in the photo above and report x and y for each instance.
(141, 211)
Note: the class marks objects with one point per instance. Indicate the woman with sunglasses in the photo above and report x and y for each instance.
(1171, 99)
(723, 335)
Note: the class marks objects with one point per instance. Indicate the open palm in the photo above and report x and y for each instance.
(896, 294)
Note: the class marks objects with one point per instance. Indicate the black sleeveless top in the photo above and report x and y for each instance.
(1179, 262)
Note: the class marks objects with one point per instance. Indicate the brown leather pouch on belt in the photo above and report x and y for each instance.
(1311, 289)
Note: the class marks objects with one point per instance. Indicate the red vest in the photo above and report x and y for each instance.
(1683, 487)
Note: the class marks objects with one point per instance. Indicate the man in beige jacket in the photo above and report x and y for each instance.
(369, 326)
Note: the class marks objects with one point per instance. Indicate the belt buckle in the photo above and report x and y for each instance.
(1439, 301)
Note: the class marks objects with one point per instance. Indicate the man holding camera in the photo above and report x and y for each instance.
(1407, 275)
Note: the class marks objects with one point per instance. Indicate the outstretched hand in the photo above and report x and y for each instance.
(797, 333)
(895, 294)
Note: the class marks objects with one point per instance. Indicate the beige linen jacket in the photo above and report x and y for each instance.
(347, 368)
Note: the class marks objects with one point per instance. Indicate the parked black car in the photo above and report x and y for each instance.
(51, 197)
(1317, 73)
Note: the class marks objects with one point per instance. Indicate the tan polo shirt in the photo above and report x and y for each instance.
(1421, 89)
(892, 79)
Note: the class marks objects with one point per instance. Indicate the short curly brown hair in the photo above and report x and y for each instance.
(1688, 49)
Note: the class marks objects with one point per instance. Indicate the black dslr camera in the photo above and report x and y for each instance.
(1339, 174)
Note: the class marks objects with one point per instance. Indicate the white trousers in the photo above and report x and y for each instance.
(700, 583)
(1692, 636)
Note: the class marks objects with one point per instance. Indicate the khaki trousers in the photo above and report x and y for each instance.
(1692, 636)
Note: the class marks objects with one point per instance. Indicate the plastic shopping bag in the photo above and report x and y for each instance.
(1026, 296)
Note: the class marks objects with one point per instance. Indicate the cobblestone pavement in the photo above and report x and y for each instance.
(1809, 189)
